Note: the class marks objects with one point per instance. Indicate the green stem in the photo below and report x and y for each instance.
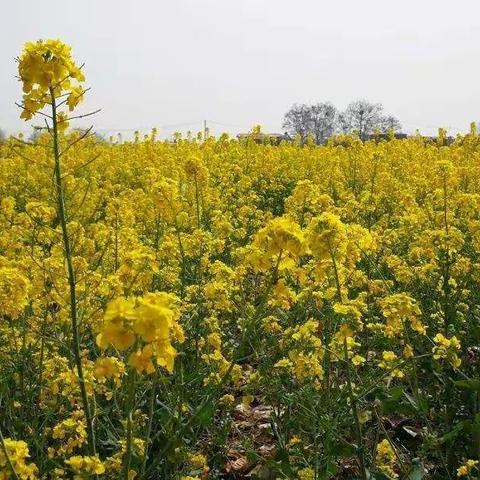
(353, 398)
(71, 279)
(358, 427)
(151, 408)
(197, 200)
(328, 329)
(130, 407)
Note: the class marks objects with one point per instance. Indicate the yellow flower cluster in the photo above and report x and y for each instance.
(305, 352)
(85, 467)
(467, 468)
(327, 237)
(386, 458)
(109, 368)
(71, 432)
(391, 363)
(13, 291)
(15, 455)
(150, 320)
(306, 474)
(48, 70)
(397, 309)
(198, 461)
(275, 259)
(279, 244)
(447, 348)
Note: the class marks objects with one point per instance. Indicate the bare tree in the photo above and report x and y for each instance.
(361, 116)
(297, 121)
(390, 123)
(323, 118)
(318, 120)
(344, 123)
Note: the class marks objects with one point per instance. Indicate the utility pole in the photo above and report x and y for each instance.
(204, 130)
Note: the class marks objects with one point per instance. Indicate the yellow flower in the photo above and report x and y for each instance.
(17, 453)
(117, 325)
(358, 360)
(165, 354)
(86, 465)
(154, 317)
(117, 335)
(397, 309)
(14, 289)
(447, 348)
(306, 474)
(386, 458)
(227, 400)
(151, 319)
(47, 69)
(247, 400)
(408, 351)
(281, 239)
(295, 440)
(108, 367)
(199, 461)
(390, 362)
(75, 97)
(141, 360)
(283, 363)
(327, 237)
(466, 468)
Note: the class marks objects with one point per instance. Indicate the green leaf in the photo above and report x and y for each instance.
(472, 384)
(204, 416)
(396, 393)
(416, 473)
(327, 471)
(420, 406)
(476, 429)
(459, 429)
(378, 476)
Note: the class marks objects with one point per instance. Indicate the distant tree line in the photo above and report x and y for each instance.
(322, 120)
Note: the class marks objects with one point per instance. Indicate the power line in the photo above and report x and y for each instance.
(229, 124)
(173, 125)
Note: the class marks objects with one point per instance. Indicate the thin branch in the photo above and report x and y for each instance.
(84, 135)
(83, 165)
(22, 106)
(30, 144)
(20, 154)
(39, 224)
(82, 116)
(83, 200)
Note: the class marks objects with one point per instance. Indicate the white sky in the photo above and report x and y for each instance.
(241, 62)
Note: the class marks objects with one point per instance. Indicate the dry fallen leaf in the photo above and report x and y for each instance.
(239, 465)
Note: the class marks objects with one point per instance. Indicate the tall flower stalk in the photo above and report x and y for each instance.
(60, 193)
(51, 77)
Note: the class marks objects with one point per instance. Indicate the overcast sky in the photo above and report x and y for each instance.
(170, 63)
